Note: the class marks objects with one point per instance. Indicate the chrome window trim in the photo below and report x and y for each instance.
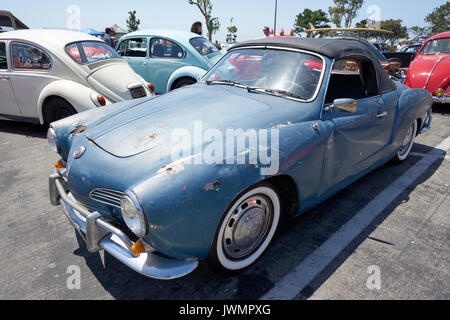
(322, 75)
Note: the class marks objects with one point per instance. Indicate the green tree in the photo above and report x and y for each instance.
(361, 24)
(417, 31)
(318, 18)
(439, 19)
(132, 22)
(212, 23)
(345, 11)
(232, 30)
(396, 27)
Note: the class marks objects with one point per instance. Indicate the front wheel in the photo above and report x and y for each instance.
(246, 230)
(407, 145)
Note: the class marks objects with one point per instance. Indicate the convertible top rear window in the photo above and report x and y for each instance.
(90, 51)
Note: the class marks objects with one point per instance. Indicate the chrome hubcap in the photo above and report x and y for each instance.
(407, 141)
(247, 228)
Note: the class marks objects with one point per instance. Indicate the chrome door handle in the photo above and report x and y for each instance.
(382, 115)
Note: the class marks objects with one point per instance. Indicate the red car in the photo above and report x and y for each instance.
(430, 69)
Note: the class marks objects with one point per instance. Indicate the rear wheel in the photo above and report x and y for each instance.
(57, 109)
(246, 230)
(183, 82)
(408, 143)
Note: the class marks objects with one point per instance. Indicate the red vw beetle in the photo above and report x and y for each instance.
(430, 69)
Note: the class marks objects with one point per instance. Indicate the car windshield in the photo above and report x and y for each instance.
(203, 46)
(90, 51)
(288, 73)
(437, 46)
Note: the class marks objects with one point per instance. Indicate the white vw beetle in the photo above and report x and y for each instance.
(46, 75)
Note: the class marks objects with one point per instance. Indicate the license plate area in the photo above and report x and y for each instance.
(137, 93)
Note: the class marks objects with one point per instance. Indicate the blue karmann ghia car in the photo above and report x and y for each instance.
(322, 112)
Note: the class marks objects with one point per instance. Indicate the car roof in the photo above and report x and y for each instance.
(441, 35)
(178, 35)
(55, 39)
(332, 48)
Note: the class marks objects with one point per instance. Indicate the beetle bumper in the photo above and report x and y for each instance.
(101, 235)
(443, 99)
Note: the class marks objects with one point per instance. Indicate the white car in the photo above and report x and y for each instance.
(47, 75)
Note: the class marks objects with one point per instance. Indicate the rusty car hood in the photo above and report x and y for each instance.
(151, 124)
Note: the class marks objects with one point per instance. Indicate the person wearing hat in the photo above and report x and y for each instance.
(266, 31)
(109, 33)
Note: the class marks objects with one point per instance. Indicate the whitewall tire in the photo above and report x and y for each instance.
(246, 230)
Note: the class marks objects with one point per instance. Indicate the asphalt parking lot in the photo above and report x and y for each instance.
(332, 252)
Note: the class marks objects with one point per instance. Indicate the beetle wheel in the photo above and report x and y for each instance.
(57, 109)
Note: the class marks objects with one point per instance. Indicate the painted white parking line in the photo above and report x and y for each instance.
(418, 154)
(294, 282)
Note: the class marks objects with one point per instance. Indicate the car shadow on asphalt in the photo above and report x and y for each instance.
(295, 242)
(23, 128)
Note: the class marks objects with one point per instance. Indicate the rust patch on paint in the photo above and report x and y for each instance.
(212, 186)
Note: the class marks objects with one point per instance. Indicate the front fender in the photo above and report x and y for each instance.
(187, 71)
(78, 95)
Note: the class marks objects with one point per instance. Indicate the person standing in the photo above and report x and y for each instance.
(197, 28)
(266, 31)
(109, 33)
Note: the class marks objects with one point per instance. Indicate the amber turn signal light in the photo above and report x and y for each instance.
(151, 87)
(138, 247)
(439, 93)
(59, 165)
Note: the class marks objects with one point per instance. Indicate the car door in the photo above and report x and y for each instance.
(166, 56)
(31, 73)
(356, 139)
(8, 102)
(135, 52)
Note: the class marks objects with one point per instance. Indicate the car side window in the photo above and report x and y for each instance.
(28, 57)
(352, 79)
(162, 48)
(136, 47)
(3, 59)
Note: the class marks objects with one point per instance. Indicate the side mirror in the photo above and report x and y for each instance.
(343, 106)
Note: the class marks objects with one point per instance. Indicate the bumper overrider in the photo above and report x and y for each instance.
(99, 235)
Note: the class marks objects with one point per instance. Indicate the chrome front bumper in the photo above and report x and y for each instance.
(101, 235)
(444, 99)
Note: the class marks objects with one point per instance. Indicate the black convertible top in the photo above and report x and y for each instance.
(332, 48)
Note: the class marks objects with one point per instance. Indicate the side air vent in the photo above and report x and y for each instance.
(107, 196)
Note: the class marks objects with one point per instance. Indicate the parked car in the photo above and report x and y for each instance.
(431, 68)
(47, 75)
(169, 59)
(328, 128)
(391, 65)
(8, 21)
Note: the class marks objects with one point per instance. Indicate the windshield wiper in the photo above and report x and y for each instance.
(275, 92)
(226, 83)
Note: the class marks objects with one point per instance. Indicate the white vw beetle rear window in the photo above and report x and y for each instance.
(90, 51)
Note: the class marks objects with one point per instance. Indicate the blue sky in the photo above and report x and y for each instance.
(249, 15)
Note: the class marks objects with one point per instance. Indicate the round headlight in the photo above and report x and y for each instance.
(53, 140)
(133, 215)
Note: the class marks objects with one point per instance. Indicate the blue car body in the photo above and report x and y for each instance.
(165, 70)
(128, 147)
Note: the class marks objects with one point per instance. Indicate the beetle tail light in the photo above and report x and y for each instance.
(101, 100)
(151, 87)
